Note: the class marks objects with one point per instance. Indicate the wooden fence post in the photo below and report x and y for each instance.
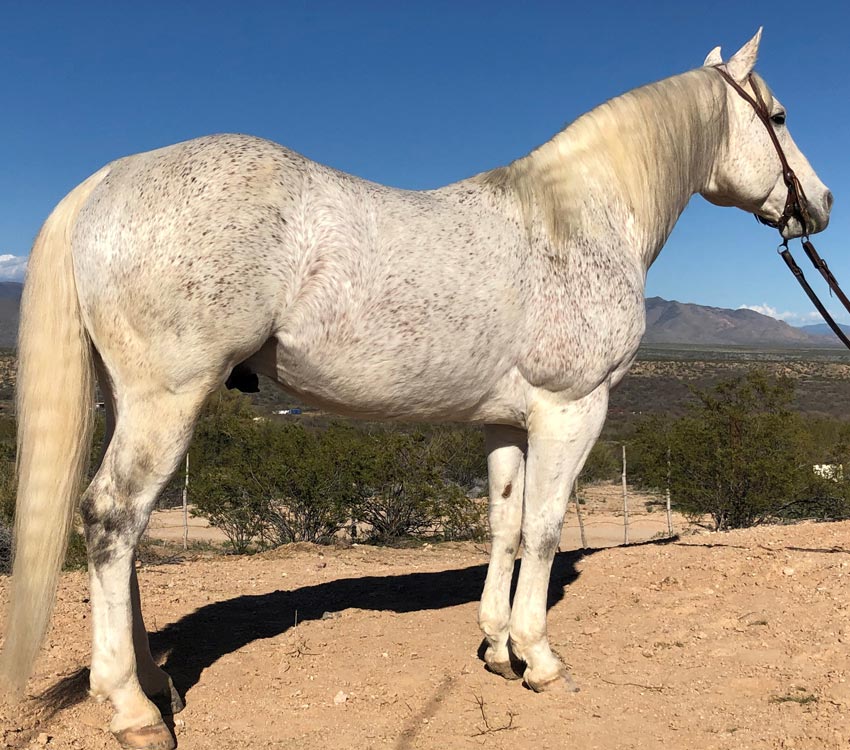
(580, 519)
(669, 514)
(186, 507)
(625, 501)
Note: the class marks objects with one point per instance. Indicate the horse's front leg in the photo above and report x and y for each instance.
(506, 474)
(560, 436)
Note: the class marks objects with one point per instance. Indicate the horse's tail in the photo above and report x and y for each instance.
(54, 402)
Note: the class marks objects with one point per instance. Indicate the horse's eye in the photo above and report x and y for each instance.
(778, 118)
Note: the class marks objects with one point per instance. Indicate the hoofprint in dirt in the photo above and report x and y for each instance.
(736, 640)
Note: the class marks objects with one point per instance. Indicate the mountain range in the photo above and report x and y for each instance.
(10, 301)
(667, 322)
(671, 322)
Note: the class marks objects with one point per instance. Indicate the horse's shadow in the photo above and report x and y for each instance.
(229, 625)
(201, 638)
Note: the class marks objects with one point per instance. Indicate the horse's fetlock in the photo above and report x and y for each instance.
(522, 641)
(98, 695)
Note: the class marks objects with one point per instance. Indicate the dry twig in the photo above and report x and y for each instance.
(488, 729)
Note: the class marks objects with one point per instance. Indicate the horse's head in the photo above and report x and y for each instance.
(748, 171)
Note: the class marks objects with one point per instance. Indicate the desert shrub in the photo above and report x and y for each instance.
(459, 451)
(309, 481)
(266, 483)
(5, 546)
(739, 456)
(7, 493)
(403, 490)
(76, 556)
(458, 454)
(460, 517)
(222, 450)
(222, 497)
(399, 486)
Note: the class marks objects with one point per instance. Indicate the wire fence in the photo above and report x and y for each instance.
(588, 521)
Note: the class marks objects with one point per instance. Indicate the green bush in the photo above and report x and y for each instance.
(398, 488)
(266, 483)
(309, 481)
(739, 456)
(459, 452)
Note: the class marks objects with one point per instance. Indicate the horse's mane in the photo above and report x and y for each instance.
(642, 148)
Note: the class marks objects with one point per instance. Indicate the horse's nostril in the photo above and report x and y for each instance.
(828, 200)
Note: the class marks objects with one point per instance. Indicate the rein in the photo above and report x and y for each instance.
(796, 207)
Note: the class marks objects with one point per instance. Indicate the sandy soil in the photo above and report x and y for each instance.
(714, 641)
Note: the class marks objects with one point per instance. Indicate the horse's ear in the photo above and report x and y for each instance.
(714, 57)
(741, 64)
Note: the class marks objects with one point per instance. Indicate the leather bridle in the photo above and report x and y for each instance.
(796, 207)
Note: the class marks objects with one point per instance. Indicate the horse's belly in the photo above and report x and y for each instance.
(384, 378)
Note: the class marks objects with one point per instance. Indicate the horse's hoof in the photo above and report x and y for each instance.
(561, 683)
(504, 669)
(155, 737)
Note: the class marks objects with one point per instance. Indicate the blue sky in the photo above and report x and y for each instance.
(414, 94)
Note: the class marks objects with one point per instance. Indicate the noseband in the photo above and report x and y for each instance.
(796, 207)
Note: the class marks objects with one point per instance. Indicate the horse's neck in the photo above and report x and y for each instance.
(623, 173)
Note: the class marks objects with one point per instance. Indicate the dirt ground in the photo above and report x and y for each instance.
(712, 641)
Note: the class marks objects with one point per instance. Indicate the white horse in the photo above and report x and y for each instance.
(513, 299)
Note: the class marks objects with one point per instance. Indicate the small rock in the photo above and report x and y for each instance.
(340, 698)
(788, 571)
(43, 739)
(330, 615)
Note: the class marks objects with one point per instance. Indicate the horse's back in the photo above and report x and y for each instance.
(190, 257)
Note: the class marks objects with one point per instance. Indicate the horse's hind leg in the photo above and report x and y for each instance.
(151, 435)
(155, 683)
(506, 474)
